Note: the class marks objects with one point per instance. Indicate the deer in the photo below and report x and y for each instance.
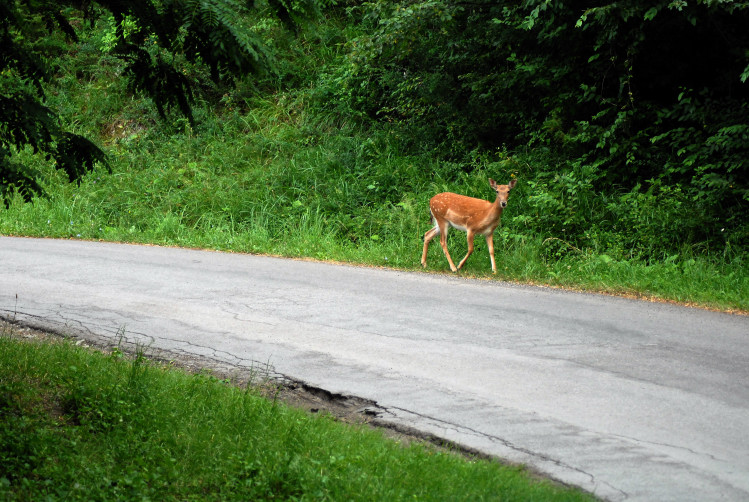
(472, 216)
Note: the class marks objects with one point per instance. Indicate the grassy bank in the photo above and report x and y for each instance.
(254, 182)
(82, 425)
(279, 166)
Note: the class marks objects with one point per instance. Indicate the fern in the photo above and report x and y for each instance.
(76, 155)
(14, 176)
(157, 79)
(25, 121)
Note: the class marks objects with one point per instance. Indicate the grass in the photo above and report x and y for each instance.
(279, 172)
(254, 182)
(83, 425)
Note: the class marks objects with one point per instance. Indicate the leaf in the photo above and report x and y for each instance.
(651, 13)
(18, 176)
(76, 155)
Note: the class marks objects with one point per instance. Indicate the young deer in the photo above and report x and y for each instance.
(473, 216)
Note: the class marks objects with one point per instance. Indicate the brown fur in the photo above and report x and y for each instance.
(473, 216)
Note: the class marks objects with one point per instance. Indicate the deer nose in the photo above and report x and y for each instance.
(504, 204)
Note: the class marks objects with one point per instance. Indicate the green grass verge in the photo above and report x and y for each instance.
(204, 193)
(82, 425)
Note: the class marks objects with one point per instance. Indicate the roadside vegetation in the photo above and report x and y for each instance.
(76, 424)
(631, 181)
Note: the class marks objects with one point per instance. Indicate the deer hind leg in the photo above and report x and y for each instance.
(490, 245)
(431, 233)
(443, 242)
(469, 237)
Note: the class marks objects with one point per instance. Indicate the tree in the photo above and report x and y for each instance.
(203, 32)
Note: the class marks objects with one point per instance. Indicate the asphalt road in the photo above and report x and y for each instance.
(630, 400)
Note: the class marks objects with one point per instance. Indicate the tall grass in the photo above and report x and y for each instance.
(77, 425)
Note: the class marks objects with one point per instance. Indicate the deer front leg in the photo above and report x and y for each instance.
(490, 245)
(443, 243)
(469, 237)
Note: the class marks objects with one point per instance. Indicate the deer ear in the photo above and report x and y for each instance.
(512, 184)
(493, 183)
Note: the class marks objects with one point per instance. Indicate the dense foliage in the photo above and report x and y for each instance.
(647, 101)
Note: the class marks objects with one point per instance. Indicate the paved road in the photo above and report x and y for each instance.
(630, 400)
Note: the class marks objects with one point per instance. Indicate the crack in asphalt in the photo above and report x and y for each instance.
(460, 429)
(495, 439)
(667, 445)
